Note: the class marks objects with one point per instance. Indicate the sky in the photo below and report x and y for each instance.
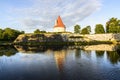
(29, 15)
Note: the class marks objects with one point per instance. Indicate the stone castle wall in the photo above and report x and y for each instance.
(96, 37)
(66, 37)
(41, 38)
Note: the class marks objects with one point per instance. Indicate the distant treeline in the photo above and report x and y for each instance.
(111, 26)
(9, 34)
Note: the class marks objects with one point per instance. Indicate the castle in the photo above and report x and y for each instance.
(59, 25)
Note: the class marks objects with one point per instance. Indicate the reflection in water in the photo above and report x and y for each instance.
(7, 50)
(77, 53)
(113, 52)
(60, 58)
(101, 47)
(113, 56)
(35, 49)
(59, 63)
(99, 53)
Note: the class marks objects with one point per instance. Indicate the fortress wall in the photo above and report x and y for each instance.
(66, 37)
(98, 37)
(42, 38)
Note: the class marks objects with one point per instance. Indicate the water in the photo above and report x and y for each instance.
(60, 63)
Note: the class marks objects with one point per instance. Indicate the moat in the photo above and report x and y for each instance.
(60, 63)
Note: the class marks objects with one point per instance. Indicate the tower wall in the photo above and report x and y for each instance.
(59, 29)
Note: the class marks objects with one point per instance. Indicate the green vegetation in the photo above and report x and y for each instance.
(99, 53)
(9, 34)
(113, 56)
(86, 30)
(99, 29)
(7, 50)
(38, 31)
(77, 29)
(113, 26)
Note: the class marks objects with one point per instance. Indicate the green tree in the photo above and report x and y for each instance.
(113, 26)
(99, 29)
(86, 30)
(43, 31)
(9, 34)
(77, 29)
(37, 31)
(1, 32)
(89, 29)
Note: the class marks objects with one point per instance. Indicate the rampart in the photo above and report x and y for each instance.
(94, 37)
(60, 37)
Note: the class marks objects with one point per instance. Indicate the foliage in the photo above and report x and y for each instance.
(99, 29)
(86, 30)
(1, 31)
(89, 29)
(9, 34)
(37, 31)
(77, 29)
(113, 56)
(99, 53)
(7, 50)
(113, 26)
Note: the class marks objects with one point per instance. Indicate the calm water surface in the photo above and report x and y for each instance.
(59, 63)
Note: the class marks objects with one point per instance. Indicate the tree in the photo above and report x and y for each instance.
(113, 26)
(1, 31)
(9, 34)
(99, 29)
(37, 31)
(77, 29)
(43, 31)
(86, 30)
(89, 29)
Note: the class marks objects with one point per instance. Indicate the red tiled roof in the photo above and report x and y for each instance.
(59, 22)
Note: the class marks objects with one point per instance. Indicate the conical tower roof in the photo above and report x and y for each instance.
(59, 22)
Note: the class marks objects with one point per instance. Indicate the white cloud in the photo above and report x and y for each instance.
(44, 12)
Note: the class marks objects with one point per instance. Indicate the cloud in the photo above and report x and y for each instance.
(44, 12)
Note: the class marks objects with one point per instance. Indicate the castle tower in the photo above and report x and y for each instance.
(59, 26)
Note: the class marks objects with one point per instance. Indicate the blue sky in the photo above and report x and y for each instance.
(29, 15)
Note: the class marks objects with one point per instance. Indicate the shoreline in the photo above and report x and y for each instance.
(58, 43)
